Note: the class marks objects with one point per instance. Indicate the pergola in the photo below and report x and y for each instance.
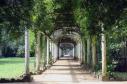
(65, 31)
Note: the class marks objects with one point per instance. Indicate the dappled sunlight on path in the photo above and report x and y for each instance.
(64, 71)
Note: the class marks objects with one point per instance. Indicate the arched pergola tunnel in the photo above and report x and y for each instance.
(91, 32)
(67, 41)
(52, 47)
(67, 33)
(62, 45)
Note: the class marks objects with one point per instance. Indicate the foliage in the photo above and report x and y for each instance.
(17, 14)
(90, 15)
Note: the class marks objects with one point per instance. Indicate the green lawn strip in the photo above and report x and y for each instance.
(14, 67)
(122, 75)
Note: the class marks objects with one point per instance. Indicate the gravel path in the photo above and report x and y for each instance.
(64, 71)
(68, 72)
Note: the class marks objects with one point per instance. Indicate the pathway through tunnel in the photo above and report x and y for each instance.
(65, 71)
(67, 67)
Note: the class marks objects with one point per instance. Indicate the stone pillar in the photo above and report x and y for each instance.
(84, 51)
(73, 51)
(0, 51)
(52, 51)
(38, 51)
(94, 56)
(27, 52)
(104, 61)
(88, 51)
(81, 51)
(58, 51)
(47, 55)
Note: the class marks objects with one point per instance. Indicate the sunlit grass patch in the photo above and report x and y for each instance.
(120, 75)
(14, 67)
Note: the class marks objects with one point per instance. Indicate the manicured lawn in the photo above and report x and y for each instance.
(120, 75)
(13, 67)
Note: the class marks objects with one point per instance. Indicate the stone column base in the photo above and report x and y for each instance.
(105, 78)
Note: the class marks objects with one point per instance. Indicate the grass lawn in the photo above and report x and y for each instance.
(120, 75)
(14, 67)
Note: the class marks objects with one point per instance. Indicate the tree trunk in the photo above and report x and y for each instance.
(94, 56)
(104, 61)
(38, 51)
(27, 53)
